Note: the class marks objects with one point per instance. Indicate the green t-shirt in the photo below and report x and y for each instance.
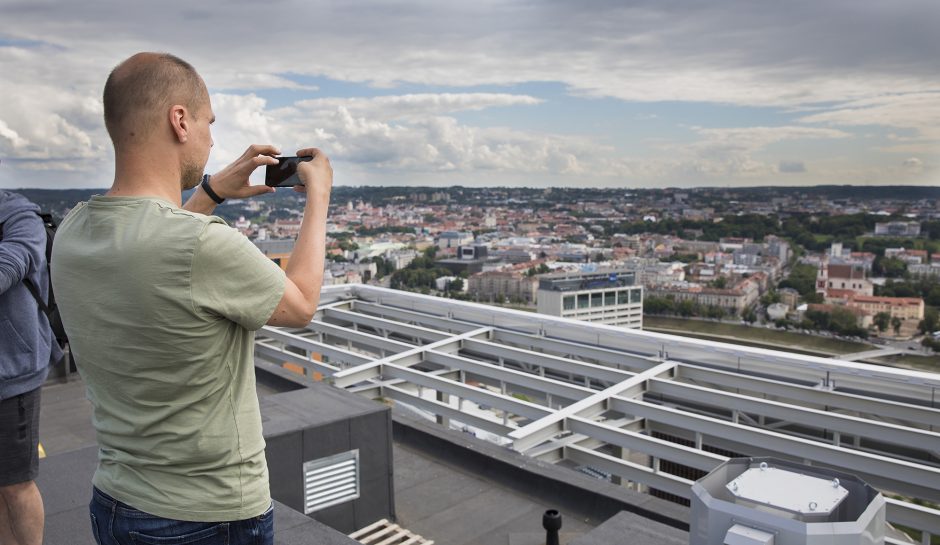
(160, 305)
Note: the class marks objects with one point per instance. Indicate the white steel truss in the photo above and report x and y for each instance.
(630, 404)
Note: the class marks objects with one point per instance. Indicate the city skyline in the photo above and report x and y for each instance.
(647, 94)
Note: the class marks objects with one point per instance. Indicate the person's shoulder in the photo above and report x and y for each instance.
(16, 206)
(185, 215)
(215, 231)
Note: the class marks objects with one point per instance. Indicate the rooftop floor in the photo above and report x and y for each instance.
(438, 499)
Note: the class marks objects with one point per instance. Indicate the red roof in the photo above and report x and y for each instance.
(844, 294)
(888, 300)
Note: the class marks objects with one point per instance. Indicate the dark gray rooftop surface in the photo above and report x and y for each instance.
(442, 499)
(65, 482)
(445, 503)
(631, 529)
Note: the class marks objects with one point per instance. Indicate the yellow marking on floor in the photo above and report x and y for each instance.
(42, 451)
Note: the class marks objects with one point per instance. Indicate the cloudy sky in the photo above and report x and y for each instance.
(648, 93)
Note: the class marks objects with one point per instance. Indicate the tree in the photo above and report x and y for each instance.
(881, 320)
(715, 312)
(933, 297)
(896, 325)
(803, 279)
(347, 245)
(658, 305)
(889, 267)
(455, 285)
(720, 283)
(930, 322)
(749, 316)
(770, 298)
(686, 308)
(814, 298)
(841, 320)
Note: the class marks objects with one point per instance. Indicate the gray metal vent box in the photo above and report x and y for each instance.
(329, 455)
(765, 501)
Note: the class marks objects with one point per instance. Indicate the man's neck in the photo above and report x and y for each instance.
(137, 176)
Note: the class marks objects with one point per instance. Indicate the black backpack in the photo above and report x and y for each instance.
(50, 309)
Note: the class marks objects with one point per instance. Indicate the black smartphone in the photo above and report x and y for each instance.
(284, 173)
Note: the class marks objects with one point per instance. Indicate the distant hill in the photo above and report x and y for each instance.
(863, 192)
(59, 201)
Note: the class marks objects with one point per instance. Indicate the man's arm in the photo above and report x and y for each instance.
(305, 269)
(22, 236)
(232, 181)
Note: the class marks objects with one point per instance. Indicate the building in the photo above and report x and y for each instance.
(468, 260)
(789, 297)
(453, 239)
(905, 308)
(501, 285)
(607, 296)
(911, 257)
(661, 273)
(278, 250)
(778, 311)
(843, 278)
(779, 248)
(932, 270)
(401, 259)
(734, 300)
(898, 229)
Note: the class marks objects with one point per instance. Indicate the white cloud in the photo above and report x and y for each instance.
(12, 137)
(917, 113)
(876, 67)
(397, 132)
(729, 153)
(417, 105)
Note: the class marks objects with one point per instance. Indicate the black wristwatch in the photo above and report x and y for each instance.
(208, 189)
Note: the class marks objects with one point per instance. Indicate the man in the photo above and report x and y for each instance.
(161, 302)
(27, 347)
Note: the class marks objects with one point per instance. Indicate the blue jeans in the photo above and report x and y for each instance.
(116, 523)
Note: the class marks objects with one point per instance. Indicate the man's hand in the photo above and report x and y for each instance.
(316, 174)
(232, 181)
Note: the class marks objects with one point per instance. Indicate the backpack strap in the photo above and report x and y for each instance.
(35, 291)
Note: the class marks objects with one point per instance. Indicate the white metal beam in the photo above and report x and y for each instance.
(413, 355)
(423, 333)
(442, 409)
(548, 361)
(898, 435)
(511, 376)
(478, 395)
(631, 471)
(923, 416)
(907, 477)
(552, 424)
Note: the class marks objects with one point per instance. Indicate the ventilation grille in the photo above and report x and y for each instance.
(330, 481)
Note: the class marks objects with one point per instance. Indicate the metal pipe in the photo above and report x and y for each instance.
(551, 521)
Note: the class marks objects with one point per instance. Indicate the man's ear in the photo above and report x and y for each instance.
(179, 121)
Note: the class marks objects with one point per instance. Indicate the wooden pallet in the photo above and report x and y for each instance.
(384, 532)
